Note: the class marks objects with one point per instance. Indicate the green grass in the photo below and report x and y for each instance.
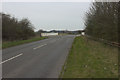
(15, 43)
(91, 59)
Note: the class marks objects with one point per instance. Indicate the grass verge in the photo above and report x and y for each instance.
(15, 43)
(91, 59)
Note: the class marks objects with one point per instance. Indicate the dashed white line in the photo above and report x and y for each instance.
(12, 58)
(39, 46)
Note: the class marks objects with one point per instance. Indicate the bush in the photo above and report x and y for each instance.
(12, 29)
(102, 21)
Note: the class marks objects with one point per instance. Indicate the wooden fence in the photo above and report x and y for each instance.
(104, 41)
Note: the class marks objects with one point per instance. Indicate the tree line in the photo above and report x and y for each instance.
(14, 29)
(102, 21)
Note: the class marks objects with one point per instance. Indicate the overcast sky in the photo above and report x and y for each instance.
(50, 15)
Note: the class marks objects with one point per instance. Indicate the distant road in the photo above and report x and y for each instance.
(40, 59)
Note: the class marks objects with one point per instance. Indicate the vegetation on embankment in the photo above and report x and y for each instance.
(91, 59)
(16, 32)
(102, 21)
(15, 43)
(14, 29)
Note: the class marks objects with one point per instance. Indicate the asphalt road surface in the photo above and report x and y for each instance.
(40, 59)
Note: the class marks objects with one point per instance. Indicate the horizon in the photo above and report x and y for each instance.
(50, 15)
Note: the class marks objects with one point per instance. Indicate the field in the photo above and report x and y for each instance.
(91, 59)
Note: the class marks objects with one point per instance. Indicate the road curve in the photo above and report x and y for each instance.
(40, 59)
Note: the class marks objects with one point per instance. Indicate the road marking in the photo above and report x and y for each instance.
(12, 58)
(39, 46)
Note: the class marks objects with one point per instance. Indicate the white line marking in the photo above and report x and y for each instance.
(11, 58)
(39, 46)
